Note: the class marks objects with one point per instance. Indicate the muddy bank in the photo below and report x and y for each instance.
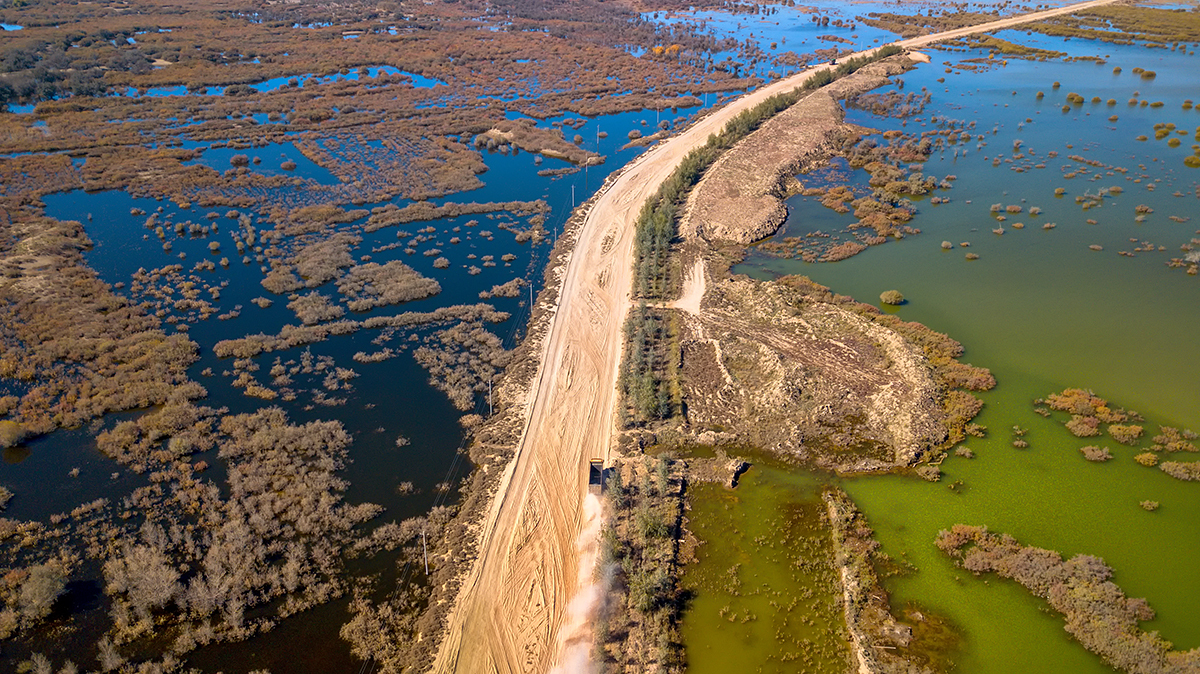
(882, 644)
(741, 197)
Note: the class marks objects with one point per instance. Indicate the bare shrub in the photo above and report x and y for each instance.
(1125, 434)
(1181, 470)
(509, 289)
(373, 285)
(1093, 453)
(42, 587)
(314, 308)
(145, 576)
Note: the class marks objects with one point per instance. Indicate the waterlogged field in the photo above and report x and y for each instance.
(407, 454)
(764, 590)
(1083, 294)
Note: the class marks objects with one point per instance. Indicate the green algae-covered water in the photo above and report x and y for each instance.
(764, 591)
(1044, 311)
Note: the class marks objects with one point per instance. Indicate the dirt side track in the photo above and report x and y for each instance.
(507, 616)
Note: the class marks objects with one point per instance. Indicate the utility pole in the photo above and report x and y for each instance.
(426, 551)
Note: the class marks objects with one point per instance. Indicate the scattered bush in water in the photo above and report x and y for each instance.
(1181, 470)
(1171, 439)
(1084, 402)
(1148, 459)
(509, 289)
(461, 360)
(893, 297)
(1097, 612)
(1093, 453)
(373, 285)
(1149, 506)
(1125, 434)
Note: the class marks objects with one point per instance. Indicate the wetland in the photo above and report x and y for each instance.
(269, 318)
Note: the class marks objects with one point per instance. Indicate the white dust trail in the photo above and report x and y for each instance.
(575, 635)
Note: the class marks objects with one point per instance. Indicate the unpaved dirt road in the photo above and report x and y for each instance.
(508, 613)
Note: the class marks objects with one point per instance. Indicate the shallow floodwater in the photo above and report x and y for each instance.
(1045, 312)
(388, 400)
(763, 541)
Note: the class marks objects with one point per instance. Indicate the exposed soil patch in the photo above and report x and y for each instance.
(808, 379)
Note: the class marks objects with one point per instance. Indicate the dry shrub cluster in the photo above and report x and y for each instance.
(374, 285)
(1181, 470)
(78, 350)
(185, 562)
(274, 539)
(315, 307)
(392, 215)
(462, 360)
(28, 593)
(508, 289)
(1170, 439)
(1088, 411)
(292, 335)
(1097, 612)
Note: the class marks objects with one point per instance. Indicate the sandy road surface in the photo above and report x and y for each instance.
(924, 40)
(508, 613)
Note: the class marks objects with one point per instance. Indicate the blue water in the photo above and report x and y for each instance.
(273, 155)
(177, 90)
(276, 83)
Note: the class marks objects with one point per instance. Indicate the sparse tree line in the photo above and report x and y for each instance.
(638, 626)
(650, 370)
